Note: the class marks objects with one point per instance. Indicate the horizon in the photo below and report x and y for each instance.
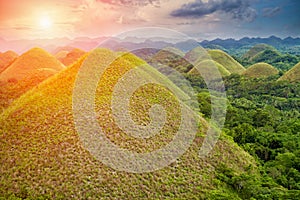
(88, 43)
(105, 36)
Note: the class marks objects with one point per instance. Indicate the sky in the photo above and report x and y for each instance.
(200, 19)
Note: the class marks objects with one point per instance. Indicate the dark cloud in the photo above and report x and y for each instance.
(237, 9)
(271, 12)
(131, 2)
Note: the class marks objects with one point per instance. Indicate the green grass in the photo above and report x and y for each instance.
(293, 75)
(260, 70)
(226, 61)
(42, 157)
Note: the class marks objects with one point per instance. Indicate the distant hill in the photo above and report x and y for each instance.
(226, 61)
(197, 54)
(171, 57)
(255, 50)
(34, 62)
(72, 56)
(41, 149)
(260, 70)
(232, 46)
(6, 59)
(268, 55)
(206, 66)
(293, 75)
(62, 49)
(61, 54)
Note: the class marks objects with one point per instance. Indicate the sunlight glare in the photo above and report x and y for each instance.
(45, 22)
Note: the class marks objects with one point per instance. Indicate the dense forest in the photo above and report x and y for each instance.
(263, 118)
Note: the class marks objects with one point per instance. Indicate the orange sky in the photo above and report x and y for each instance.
(202, 19)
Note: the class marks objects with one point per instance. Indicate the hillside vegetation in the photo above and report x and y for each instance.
(260, 70)
(270, 55)
(293, 75)
(226, 61)
(6, 59)
(32, 63)
(42, 156)
(27, 71)
(71, 56)
(206, 65)
(171, 57)
(249, 55)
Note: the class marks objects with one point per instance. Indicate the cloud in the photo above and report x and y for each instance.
(271, 12)
(131, 2)
(236, 9)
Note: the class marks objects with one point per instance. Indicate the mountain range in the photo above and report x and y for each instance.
(232, 46)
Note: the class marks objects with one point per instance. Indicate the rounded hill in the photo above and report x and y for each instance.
(6, 59)
(71, 56)
(249, 55)
(206, 66)
(226, 61)
(34, 62)
(293, 75)
(260, 70)
(41, 152)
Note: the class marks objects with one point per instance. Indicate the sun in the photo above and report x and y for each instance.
(45, 22)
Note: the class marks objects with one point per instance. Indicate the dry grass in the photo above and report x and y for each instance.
(226, 61)
(71, 56)
(260, 70)
(293, 75)
(42, 157)
(6, 59)
(29, 65)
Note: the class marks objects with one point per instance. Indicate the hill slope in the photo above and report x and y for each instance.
(6, 59)
(60, 55)
(197, 54)
(206, 65)
(42, 156)
(226, 61)
(266, 56)
(255, 50)
(34, 62)
(27, 71)
(71, 56)
(260, 70)
(171, 57)
(293, 75)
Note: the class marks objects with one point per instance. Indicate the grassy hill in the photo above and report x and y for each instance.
(34, 62)
(249, 55)
(260, 70)
(226, 61)
(27, 71)
(171, 57)
(61, 54)
(197, 54)
(6, 59)
(266, 55)
(42, 156)
(206, 66)
(71, 56)
(293, 75)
